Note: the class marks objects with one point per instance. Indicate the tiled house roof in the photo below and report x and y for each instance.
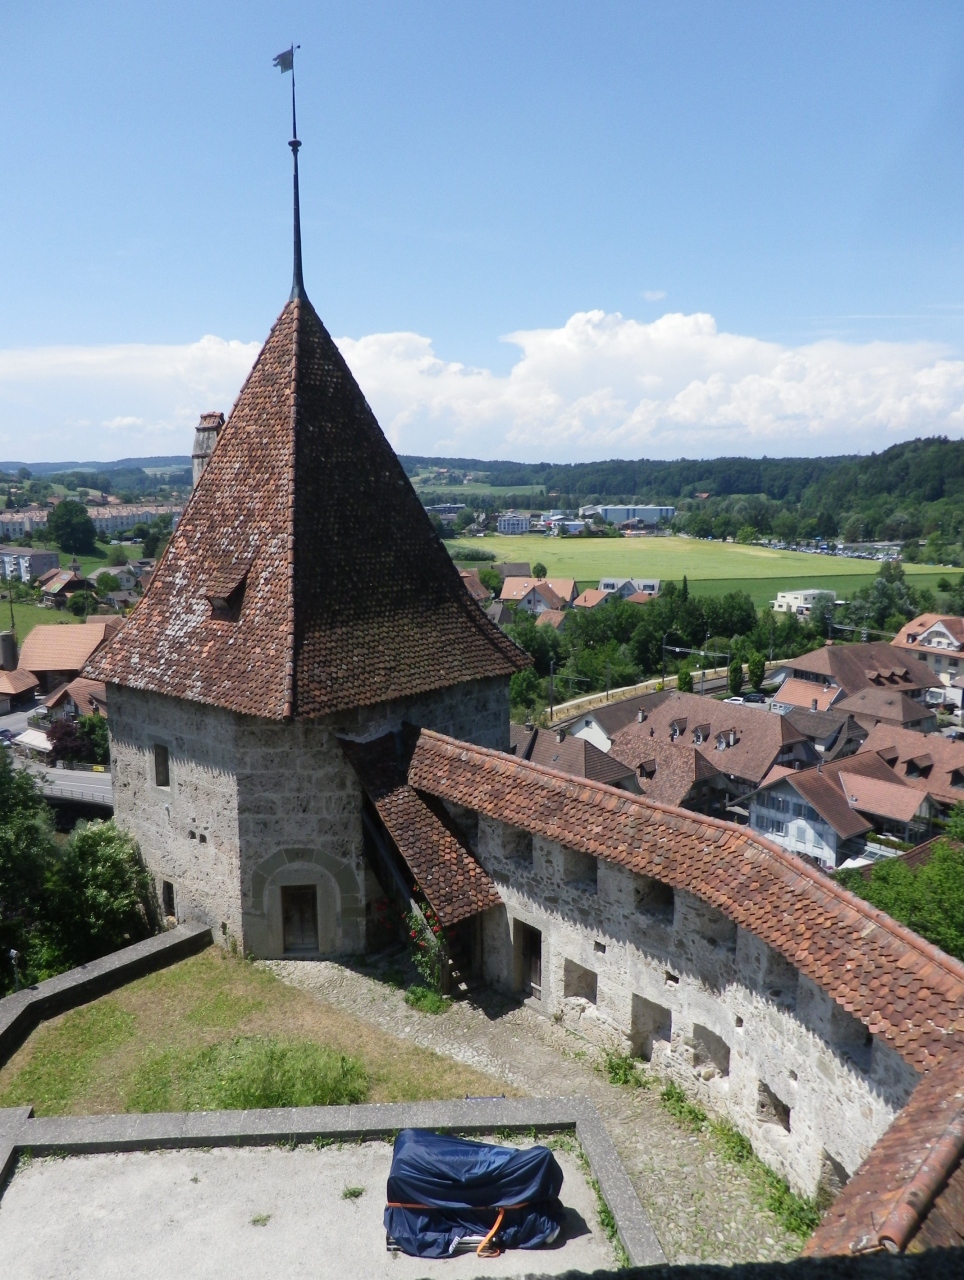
(862, 666)
(571, 755)
(436, 853)
(902, 988)
(870, 707)
(349, 598)
(753, 739)
(52, 647)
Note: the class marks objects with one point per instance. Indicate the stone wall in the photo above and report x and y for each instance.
(631, 965)
(188, 831)
(256, 805)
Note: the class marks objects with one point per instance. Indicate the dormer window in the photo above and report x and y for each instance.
(225, 592)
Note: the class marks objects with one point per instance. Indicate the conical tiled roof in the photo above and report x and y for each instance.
(305, 576)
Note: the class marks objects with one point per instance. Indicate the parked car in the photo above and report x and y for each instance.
(7, 736)
(754, 697)
(739, 700)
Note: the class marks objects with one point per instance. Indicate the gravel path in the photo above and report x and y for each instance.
(703, 1209)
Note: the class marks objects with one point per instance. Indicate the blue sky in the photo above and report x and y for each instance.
(474, 171)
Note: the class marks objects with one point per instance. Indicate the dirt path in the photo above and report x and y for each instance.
(702, 1208)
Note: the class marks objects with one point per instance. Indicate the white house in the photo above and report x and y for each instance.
(626, 587)
(513, 522)
(798, 602)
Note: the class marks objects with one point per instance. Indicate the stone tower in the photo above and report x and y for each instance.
(304, 597)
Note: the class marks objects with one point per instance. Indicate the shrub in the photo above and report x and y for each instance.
(117, 556)
(684, 681)
(539, 570)
(425, 947)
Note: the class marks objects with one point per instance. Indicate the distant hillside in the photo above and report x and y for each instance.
(909, 491)
(122, 464)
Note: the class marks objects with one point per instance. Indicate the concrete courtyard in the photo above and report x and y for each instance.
(234, 1213)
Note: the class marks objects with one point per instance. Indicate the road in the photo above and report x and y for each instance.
(74, 784)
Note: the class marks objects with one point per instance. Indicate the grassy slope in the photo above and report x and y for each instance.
(712, 568)
(96, 1059)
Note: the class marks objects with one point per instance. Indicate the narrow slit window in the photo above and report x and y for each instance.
(162, 766)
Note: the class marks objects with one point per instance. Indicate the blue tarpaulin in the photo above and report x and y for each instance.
(442, 1189)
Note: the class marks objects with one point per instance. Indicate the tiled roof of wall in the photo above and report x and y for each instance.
(350, 598)
(908, 1190)
(905, 990)
(443, 865)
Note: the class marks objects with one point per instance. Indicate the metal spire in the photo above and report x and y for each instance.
(286, 62)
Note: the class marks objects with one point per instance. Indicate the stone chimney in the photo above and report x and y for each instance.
(813, 704)
(205, 438)
(8, 651)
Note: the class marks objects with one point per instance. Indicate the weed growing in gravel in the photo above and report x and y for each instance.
(352, 1193)
(798, 1214)
(623, 1068)
(607, 1219)
(426, 1000)
(261, 1219)
(679, 1106)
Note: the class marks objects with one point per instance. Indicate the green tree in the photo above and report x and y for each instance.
(525, 688)
(72, 528)
(756, 665)
(94, 731)
(539, 569)
(26, 847)
(491, 579)
(747, 533)
(82, 603)
(99, 898)
(107, 582)
(117, 556)
(929, 900)
(734, 677)
(684, 680)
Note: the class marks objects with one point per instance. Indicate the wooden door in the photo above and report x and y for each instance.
(299, 910)
(532, 960)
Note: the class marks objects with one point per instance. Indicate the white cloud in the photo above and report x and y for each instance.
(60, 403)
(654, 295)
(599, 386)
(605, 386)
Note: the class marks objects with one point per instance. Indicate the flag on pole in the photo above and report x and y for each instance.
(285, 61)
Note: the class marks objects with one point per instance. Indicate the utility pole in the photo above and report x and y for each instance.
(552, 672)
(607, 679)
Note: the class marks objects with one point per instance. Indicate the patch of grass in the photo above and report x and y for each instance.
(249, 1072)
(607, 1219)
(54, 1080)
(128, 1051)
(426, 1000)
(623, 1069)
(739, 566)
(261, 1219)
(223, 1009)
(681, 1108)
(798, 1214)
(352, 1193)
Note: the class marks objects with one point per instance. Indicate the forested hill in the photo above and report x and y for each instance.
(920, 471)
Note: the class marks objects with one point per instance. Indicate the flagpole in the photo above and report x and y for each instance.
(297, 281)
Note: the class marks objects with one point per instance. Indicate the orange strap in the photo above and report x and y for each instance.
(484, 1251)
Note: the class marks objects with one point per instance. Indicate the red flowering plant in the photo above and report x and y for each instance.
(426, 945)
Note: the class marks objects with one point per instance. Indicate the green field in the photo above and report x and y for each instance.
(711, 568)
